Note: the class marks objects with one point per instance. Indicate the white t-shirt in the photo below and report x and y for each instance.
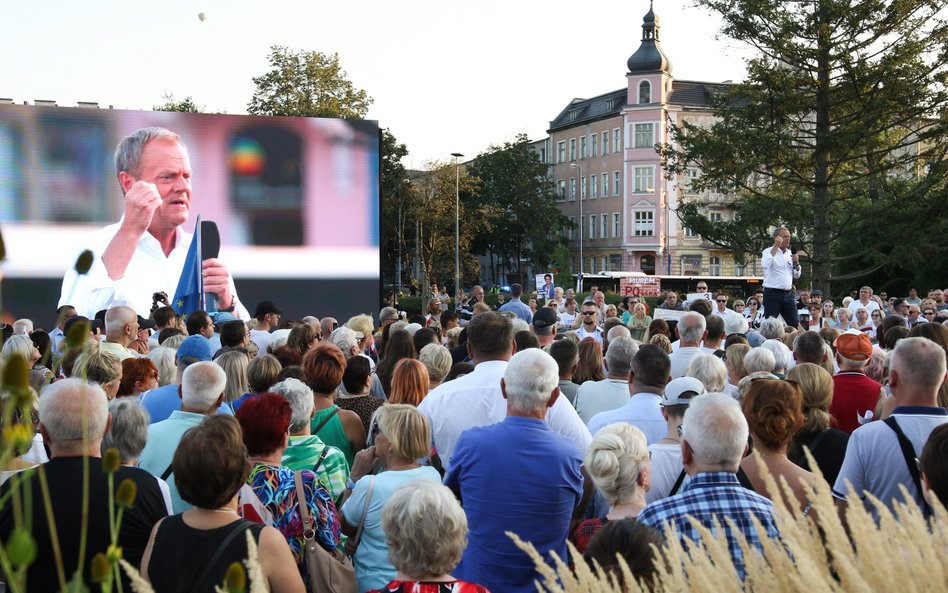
(666, 467)
(593, 397)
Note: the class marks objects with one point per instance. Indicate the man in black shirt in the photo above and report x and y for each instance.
(61, 410)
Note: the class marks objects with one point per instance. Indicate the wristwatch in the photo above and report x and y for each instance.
(350, 485)
(233, 306)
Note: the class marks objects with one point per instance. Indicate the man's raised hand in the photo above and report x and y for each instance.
(141, 202)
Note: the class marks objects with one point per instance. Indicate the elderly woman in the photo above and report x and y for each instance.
(266, 421)
(712, 373)
(357, 380)
(618, 463)
(753, 314)
(127, 434)
(437, 361)
(845, 319)
(99, 366)
(412, 514)
(262, 372)
(24, 346)
(163, 358)
(826, 444)
(638, 322)
(306, 451)
(209, 469)
(774, 412)
(409, 383)
(138, 375)
(324, 367)
(782, 356)
(404, 437)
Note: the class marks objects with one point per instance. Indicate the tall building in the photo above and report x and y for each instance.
(611, 181)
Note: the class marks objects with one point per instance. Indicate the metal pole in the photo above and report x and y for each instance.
(457, 227)
(579, 279)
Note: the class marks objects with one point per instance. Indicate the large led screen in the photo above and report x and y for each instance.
(295, 200)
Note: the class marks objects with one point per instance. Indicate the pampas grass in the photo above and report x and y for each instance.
(902, 552)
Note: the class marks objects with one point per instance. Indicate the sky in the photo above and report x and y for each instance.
(445, 76)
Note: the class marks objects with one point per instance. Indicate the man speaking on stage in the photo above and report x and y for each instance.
(781, 267)
(145, 251)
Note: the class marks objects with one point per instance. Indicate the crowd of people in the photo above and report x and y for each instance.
(412, 445)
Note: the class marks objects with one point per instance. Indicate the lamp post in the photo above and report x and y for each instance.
(579, 279)
(457, 227)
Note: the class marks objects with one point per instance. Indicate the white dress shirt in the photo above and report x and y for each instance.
(475, 400)
(643, 410)
(593, 397)
(779, 271)
(148, 272)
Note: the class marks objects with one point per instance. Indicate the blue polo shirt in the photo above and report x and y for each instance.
(518, 308)
(517, 475)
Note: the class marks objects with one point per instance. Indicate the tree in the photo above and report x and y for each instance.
(395, 195)
(186, 105)
(841, 121)
(306, 84)
(521, 220)
(430, 207)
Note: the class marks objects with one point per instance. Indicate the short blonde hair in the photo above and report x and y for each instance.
(406, 429)
(362, 323)
(734, 357)
(97, 366)
(437, 359)
(234, 363)
(411, 515)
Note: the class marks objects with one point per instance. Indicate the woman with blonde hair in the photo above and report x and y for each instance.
(827, 445)
(638, 322)
(98, 366)
(774, 412)
(234, 363)
(437, 361)
(618, 463)
(409, 383)
(403, 438)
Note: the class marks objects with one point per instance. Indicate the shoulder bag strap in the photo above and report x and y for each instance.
(368, 498)
(201, 583)
(305, 515)
(908, 452)
(678, 482)
(168, 471)
(325, 420)
(322, 457)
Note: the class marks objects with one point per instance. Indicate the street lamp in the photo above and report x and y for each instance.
(457, 227)
(579, 279)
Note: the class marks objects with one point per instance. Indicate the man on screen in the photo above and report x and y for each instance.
(145, 251)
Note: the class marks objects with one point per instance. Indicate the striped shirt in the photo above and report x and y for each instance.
(304, 451)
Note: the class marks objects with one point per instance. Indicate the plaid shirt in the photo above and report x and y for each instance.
(710, 496)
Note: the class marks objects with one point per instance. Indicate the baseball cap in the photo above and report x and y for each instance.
(544, 317)
(814, 293)
(755, 339)
(223, 317)
(680, 391)
(194, 349)
(854, 346)
(265, 307)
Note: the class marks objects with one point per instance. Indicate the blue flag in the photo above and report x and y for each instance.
(187, 298)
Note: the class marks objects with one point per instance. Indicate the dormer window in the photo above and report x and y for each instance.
(645, 92)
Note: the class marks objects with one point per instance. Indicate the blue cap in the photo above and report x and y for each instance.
(194, 349)
(224, 317)
(755, 339)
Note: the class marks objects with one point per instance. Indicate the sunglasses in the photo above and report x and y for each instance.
(589, 312)
(722, 300)
(929, 312)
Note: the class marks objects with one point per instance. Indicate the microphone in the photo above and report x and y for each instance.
(210, 249)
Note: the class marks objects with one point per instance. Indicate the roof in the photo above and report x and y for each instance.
(685, 93)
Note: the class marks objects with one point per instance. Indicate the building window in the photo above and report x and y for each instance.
(740, 269)
(561, 190)
(592, 264)
(644, 180)
(689, 232)
(615, 262)
(691, 174)
(644, 223)
(690, 265)
(593, 138)
(616, 225)
(543, 154)
(715, 217)
(605, 185)
(616, 184)
(582, 147)
(561, 151)
(572, 149)
(572, 189)
(582, 188)
(593, 187)
(616, 140)
(604, 226)
(645, 92)
(582, 223)
(592, 226)
(605, 263)
(605, 143)
(572, 228)
(644, 135)
(714, 265)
